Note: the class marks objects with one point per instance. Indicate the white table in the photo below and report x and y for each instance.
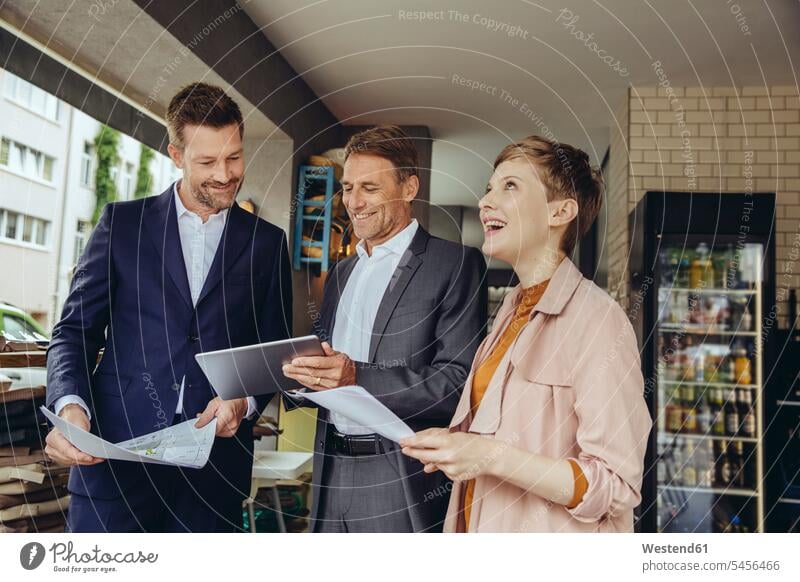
(268, 468)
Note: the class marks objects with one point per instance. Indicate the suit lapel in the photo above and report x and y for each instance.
(238, 232)
(161, 223)
(408, 265)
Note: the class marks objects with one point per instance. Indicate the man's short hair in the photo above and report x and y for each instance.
(390, 143)
(201, 104)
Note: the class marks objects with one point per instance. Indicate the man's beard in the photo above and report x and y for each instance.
(213, 201)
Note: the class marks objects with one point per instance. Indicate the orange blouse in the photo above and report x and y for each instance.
(483, 375)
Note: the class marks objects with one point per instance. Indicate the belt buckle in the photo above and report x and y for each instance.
(348, 445)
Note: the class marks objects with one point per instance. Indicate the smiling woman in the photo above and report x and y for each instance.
(536, 443)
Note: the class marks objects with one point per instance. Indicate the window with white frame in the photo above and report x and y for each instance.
(82, 231)
(26, 161)
(18, 227)
(87, 165)
(31, 97)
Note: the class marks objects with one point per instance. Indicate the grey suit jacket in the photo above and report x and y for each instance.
(429, 324)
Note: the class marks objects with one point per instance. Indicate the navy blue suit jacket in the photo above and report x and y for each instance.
(130, 296)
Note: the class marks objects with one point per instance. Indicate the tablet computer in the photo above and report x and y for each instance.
(255, 370)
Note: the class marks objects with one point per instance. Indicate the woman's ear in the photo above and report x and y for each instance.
(563, 212)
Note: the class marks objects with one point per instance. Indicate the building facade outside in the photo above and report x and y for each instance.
(47, 198)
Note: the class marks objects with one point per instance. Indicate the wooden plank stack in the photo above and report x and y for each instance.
(33, 492)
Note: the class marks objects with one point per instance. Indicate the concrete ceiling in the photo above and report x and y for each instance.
(373, 62)
(119, 44)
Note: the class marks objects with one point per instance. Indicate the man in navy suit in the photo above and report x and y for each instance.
(162, 279)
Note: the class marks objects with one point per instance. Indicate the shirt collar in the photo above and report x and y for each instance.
(181, 209)
(397, 245)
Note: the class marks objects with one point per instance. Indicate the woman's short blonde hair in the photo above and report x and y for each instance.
(565, 172)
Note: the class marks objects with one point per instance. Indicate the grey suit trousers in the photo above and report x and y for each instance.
(362, 495)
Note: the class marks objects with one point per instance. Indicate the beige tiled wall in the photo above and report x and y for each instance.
(707, 140)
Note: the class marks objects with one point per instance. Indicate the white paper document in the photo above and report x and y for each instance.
(181, 445)
(361, 407)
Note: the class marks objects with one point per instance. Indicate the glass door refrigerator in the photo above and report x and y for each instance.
(702, 297)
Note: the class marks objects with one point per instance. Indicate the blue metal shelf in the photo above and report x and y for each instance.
(306, 175)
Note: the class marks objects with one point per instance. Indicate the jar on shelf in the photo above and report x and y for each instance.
(742, 366)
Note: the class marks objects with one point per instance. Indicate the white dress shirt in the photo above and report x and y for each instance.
(199, 242)
(358, 305)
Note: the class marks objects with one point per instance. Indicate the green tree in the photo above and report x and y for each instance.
(144, 179)
(106, 147)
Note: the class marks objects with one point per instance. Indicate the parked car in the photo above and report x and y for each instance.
(17, 325)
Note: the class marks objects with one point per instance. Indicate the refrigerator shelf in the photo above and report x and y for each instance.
(708, 384)
(702, 330)
(703, 286)
(704, 437)
(711, 490)
(710, 291)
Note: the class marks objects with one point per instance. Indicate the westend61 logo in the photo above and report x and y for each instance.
(65, 559)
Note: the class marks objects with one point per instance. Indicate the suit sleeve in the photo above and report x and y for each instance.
(275, 321)
(613, 420)
(432, 392)
(81, 332)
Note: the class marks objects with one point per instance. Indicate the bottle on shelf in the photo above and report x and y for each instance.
(683, 271)
(677, 462)
(699, 365)
(673, 410)
(717, 412)
(733, 281)
(735, 525)
(712, 368)
(704, 463)
(720, 269)
(732, 419)
(737, 465)
(695, 273)
(661, 469)
(742, 366)
(747, 320)
(747, 412)
(704, 417)
(688, 372)
(701, 270)
(670, 263)
(689, 409)
(723, 472)
(728, 369)
(689, 467)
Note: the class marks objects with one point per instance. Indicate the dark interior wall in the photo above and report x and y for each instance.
(445, 222)
(260, 73)
(240, 53)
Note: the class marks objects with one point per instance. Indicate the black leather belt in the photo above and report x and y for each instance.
(354, 445)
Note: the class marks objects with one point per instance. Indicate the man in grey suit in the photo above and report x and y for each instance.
(402, 318)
